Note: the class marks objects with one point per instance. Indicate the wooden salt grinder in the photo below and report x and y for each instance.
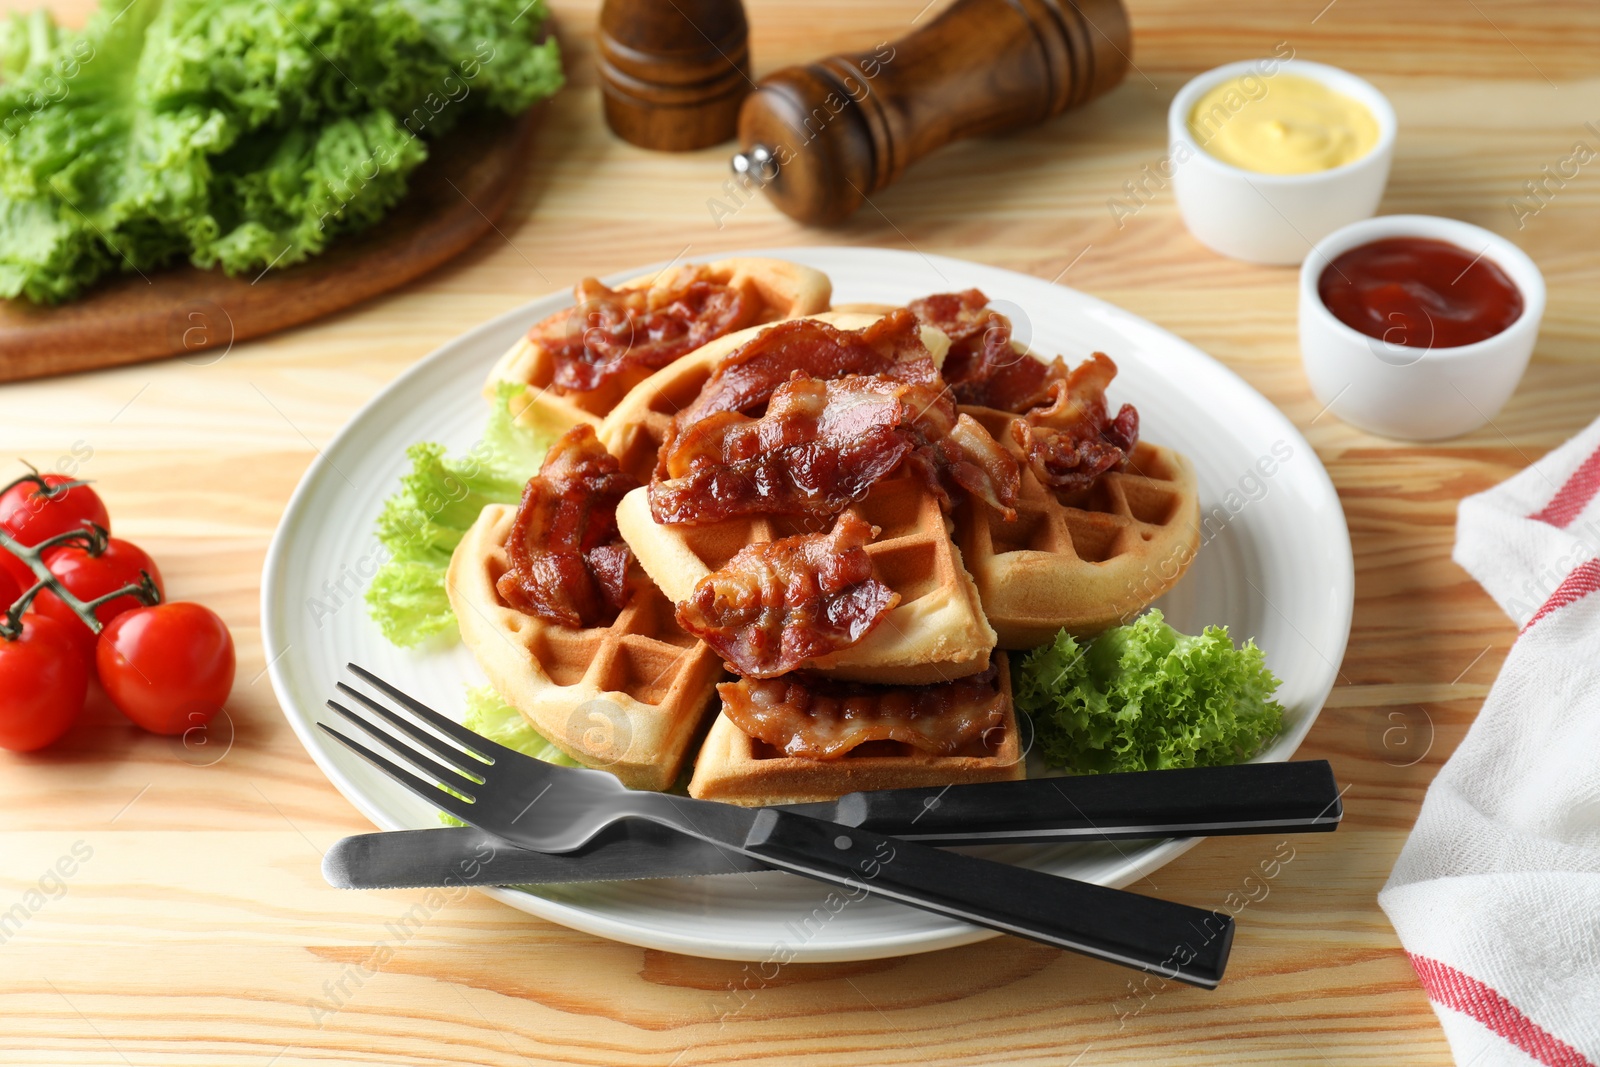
(673, 72)
(820, 139)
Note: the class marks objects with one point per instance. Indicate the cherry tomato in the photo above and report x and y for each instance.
(31, 514)
(88, 576)
(44, 681)
(8, 590)
(18, 572)
(168, 667)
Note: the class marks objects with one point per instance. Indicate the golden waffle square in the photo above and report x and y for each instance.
(1090, 562)
(629, 698)
(935, 633)
(784, 290)
(737, 769)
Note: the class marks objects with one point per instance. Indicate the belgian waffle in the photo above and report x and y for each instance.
(935, 633)
(1085, 562)
(783, 289)
(735, 768)
(628, 698)
(937, 630)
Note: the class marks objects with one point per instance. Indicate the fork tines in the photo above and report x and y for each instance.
(450, 763)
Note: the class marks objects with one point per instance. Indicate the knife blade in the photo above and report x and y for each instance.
(449, 856)
(1298, 797)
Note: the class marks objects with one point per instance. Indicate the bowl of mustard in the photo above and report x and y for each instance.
(1271, 155)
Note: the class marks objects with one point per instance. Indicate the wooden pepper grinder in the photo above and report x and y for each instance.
(674, 72)
(820, 139)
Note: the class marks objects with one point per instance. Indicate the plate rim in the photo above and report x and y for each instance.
(863, 946)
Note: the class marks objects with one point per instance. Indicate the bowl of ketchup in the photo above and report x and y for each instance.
(1417, 327)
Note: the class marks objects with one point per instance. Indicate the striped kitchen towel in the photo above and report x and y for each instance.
(1496, 895)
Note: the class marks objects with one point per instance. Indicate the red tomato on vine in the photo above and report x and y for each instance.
(40, 506)
(44, 679)
(168, 667)
(92, 571)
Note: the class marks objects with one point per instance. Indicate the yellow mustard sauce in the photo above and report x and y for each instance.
(1284, 124)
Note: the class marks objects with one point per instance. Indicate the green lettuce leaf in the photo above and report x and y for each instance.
(1144, 696)
(26, 41)
(508, 445)
(279, 199)
(488, 714)
(407, 600)
(438, 501)
(244, 134)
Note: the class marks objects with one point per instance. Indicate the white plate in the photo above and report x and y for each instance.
(1275, 566)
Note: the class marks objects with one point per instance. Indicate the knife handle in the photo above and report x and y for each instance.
(1247, 798)
(1172, 940)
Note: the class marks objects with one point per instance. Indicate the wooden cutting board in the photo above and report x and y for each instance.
(466, 183)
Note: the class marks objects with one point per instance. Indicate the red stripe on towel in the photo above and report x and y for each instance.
(1462, 992)
(1584, 579)
(1574, 496)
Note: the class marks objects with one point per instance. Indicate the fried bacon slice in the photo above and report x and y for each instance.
(973, 460)
(568, 563)
(609, 330)
(1074, 440)
(822, 445)
(983, 368)
(747, 377)
(812, 717)
(777, 604)
(1066, 430)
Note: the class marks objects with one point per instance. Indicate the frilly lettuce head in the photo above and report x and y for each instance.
(1145, 697)
(243, 134)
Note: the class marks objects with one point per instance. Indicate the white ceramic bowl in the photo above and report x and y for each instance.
(1274, 218)
(1416, 393)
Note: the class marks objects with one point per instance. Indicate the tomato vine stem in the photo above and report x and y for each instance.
(93, 540)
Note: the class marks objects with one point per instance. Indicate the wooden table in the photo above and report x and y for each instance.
(200, 930)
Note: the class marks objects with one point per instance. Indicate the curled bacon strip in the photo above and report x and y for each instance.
(612, 330)
(983, 368)
(1066, 429)
(777, 604)
(822, 445)
(967, 455)
(568, 563)
(813, 717)
(747, 377)
(1075, 440)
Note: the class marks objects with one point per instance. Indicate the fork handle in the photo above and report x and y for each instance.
(1173, 940)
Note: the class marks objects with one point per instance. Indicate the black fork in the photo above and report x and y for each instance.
(558, 809)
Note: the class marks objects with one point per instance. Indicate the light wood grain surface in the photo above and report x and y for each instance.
(199, 930)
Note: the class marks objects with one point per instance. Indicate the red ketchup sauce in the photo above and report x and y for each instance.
(1419, 292)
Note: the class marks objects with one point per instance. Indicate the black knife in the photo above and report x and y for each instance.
(1251, 798)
